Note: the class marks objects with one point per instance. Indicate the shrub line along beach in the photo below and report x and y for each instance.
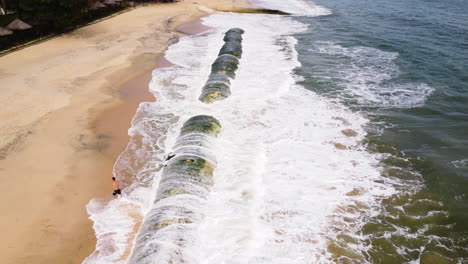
(48, 19)
(66, 107)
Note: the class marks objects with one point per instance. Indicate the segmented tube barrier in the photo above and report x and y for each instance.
(224, 68)
(185, 182)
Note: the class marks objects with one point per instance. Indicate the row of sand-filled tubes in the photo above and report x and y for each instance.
(187, 177)
(223, 70)
(185, 183)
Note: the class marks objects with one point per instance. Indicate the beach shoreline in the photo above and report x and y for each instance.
(68, 105)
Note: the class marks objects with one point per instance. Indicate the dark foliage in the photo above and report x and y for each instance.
(53, 17)
(43, 29)
(57, 14)
(6, 19)
(9, 4)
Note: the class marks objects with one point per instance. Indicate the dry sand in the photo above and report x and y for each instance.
(66, 105)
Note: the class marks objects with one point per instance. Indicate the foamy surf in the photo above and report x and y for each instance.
(362, 74)
(291, 172)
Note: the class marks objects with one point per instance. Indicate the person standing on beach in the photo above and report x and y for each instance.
(116, 186)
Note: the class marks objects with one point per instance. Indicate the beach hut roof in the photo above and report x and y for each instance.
(18, 25)
(97, 5)
(111, 2)
(5, 31)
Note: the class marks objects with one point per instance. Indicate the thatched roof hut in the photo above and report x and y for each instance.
(18, 25)
(97, 5)
(111, 2)
(5, 31)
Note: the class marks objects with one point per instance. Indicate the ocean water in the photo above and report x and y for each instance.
(404, 66)
(342, 141)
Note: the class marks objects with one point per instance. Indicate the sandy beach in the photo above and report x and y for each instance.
(67, 104)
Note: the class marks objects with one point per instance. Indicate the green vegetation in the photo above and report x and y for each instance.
(53, 17)
(6, 19)
(55, 14)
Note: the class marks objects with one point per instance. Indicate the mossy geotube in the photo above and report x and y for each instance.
(231, 48)
(235, 30)
(234, 34)
(185, 182)
(215, 91)
(223, 68)
(218, 78)
(225, 62)
(202, 124)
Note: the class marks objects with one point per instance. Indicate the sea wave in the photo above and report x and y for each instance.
(365, 75)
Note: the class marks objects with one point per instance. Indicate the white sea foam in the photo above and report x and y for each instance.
(112, 224)
(295, 7)
(285, 166)
(138, 168)
(364, 73)
(463, 163)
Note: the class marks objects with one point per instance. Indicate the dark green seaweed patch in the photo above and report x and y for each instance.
(256, 11)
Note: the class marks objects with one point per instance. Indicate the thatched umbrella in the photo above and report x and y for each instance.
(18, 25)
(111, 2)
(97, 5)
(5, 31)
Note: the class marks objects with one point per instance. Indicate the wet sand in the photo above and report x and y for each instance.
(67, 104)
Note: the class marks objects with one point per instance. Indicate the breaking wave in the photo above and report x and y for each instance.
(362, 75)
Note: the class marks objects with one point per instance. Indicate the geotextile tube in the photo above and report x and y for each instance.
(185, 182)
(224, 68)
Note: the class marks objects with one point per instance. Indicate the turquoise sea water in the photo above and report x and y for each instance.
(404, 65)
